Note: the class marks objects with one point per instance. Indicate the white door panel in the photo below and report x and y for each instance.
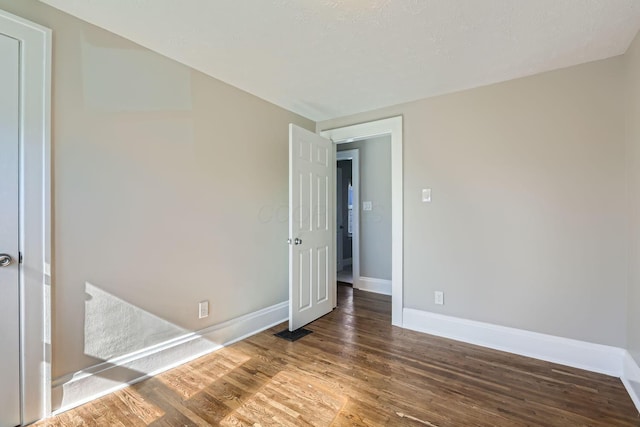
(9, 235)
(311, 201)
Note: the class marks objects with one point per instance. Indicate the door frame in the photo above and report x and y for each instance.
(390, 126)
(354, 156)
(35, 213)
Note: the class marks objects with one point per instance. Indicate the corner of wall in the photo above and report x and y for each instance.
(631, 378)
(632, 147)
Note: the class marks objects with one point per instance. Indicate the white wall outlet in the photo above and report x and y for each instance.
(426, 195)
(438, 297)
(203, 309)
(367, 206)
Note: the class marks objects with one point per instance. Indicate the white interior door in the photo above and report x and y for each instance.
(311, 235)
(9, 235)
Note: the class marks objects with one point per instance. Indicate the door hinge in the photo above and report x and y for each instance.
(19, 257)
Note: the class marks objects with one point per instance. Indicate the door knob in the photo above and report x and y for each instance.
(5, 260)
(297, 241)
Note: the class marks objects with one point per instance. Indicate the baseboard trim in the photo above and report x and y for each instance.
(371, 284)
(81, 387)
(631, 378)
(578, 354)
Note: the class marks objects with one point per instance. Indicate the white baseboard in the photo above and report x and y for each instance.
(578, 354)
(75, 389)
(631, 378)
(370, 284)
(80, 387)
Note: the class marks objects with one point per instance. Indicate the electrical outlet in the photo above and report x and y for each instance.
(438, 297)
(203, 309)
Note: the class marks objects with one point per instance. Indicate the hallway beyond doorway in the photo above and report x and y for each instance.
(345, 275)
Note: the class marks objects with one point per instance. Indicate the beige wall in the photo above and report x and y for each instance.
(632, 59)
(151, 213)
(375, 186)
(527, 227)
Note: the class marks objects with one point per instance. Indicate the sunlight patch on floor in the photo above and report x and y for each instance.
(191, 378)
(289, 399)
(137, 405)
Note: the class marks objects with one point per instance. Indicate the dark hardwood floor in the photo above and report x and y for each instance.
(355, 369)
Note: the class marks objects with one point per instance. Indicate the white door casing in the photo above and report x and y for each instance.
(9, 232)
(35, 212)
(312, 260)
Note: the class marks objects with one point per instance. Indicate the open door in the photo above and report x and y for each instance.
(311, 234)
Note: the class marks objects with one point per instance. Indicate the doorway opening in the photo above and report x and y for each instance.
(366, 235)
(347, 217)
(392, 129)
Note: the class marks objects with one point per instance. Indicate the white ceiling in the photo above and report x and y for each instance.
(330, 58)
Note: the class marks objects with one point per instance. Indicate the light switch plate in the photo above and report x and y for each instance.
(367, 206)
(426, 195)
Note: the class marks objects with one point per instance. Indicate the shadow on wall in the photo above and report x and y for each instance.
(132, 344)
(258, 402)
(113, 327)
(117, 333)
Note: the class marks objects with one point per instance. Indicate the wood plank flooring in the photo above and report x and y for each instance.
(355, 369)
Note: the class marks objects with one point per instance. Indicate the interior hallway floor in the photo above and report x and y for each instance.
(355, 369)
(345, 275)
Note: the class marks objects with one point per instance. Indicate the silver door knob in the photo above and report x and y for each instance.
(297, 241)
(5, 260)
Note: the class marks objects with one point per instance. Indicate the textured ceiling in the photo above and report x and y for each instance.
(330, 58)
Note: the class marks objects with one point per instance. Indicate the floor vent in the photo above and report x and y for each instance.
(293, 335)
